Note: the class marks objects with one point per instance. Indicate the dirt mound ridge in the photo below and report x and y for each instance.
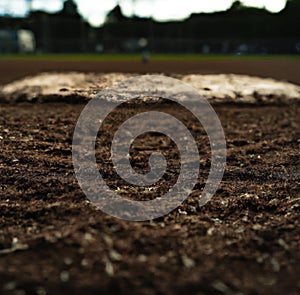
(76, 87)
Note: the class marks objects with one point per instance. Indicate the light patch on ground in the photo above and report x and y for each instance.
(216, 88)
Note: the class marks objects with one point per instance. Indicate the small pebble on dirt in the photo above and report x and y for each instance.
(114, 255)
(187, 262)
(109, 269)
(64, 276)
(68, 261)
(142, 258)
(10, 286)
(41, 291)
(275, 264)
(84, 262)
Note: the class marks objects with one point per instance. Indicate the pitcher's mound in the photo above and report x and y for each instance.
(75, 87)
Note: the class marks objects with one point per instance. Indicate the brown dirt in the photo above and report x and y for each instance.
(244, 241)
(281, 69)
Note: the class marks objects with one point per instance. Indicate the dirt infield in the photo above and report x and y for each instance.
(244, 241)
(78, 87)
(281, 69)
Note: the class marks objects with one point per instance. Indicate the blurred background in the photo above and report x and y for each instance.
(204, 27)
(252, 37)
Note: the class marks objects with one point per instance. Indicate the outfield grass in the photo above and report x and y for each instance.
(126, 57)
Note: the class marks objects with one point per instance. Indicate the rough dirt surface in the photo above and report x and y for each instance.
(79, 87)
(244, 241)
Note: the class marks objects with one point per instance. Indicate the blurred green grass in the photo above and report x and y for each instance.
(126, 57)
